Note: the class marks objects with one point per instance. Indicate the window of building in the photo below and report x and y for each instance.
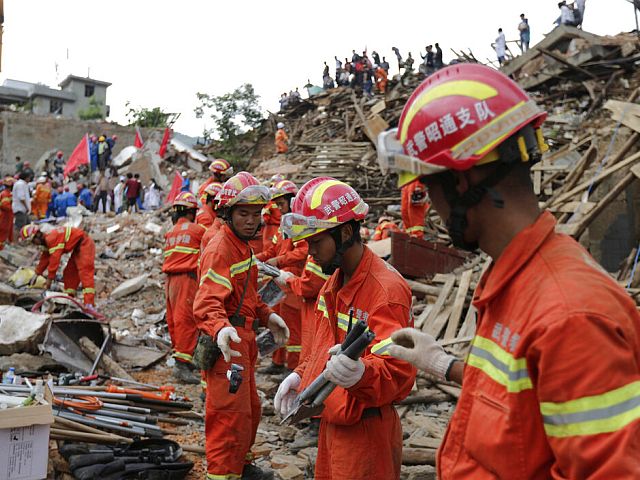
(55, 107)
(89, 90)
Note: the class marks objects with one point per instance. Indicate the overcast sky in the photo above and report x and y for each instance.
(160, 52)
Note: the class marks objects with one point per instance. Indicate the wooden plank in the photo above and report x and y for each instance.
(564, 62)
(429, 315)
(435, 328)
(421, 288)
(458, 305)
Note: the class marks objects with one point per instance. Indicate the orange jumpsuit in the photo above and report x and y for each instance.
(281, 141)
(201, 188)
(360, 433)
(181, 253)
(231, 420)
(206, 215)
(6, 217)
(413, 212)
(271, 217)
(553, 371)
(41, 199)
(291, 257)
(210, 233)
(80, 267)
(383, 230)
(307, 286)
(381, 79)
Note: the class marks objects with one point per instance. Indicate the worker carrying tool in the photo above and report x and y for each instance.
(537, 374)
(80, 266)
(220, 170)
(414, 204)
(360, 432)
(228, 312)
(6, 212)
(282, 139)
(181, 254)
(288, 256)
(206, 215)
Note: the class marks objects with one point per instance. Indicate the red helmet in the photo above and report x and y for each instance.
(28, 231)
(213, 189)
(456, 119)
(283, 187)
(59, 153)
(185, 199)
(243, 189)
(8, 181)
(278, 177)
(221, 166)
(321, 204)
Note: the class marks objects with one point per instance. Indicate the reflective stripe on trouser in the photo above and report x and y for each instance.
(180, 291)
(366, 450)
(231, 420)
(291, 353)
(412, 215)
(80, 269)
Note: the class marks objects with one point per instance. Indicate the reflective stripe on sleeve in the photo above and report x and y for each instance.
(67, 234)
(500, 365)
(294, 348)
(57, 247)
(241, 267)
(322, 306)
(226, 476)
(216, 278)
(382, 348)
(316, 269)
(604, 413)
(182, 249)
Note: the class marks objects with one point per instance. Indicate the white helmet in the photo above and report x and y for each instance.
(280, 125)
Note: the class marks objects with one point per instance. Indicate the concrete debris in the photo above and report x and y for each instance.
(130, 286)
(21, 331)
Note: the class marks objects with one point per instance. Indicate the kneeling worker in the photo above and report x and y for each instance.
(551, 386)
(360, 433)
(228, 310)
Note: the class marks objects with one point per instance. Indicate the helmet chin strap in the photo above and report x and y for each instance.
(511, 154)
(341, 248)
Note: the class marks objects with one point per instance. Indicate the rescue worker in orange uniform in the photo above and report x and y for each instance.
(381, 79)
(228, 311)
(384, 228)
(206, 215)
(281, 139)
(290, 256)
(181, 253)
(554, 368)
(80, 266)
(360, 433)
(41, 198)
(220, 170)
(271, 216)
(6, 212)
(413, 204)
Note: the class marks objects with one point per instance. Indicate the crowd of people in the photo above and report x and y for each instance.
(556, 406)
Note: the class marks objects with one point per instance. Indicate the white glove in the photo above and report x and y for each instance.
(225, 336)
(343, 371)
(421, 350)
(281, 279)
(278, 328)
(286, 394)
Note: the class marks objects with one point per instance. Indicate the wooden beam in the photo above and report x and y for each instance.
(563, 61)
(458, 305)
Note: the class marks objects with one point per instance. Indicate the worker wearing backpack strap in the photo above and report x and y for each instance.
(229, 311)
(360, 433)
(536, 374)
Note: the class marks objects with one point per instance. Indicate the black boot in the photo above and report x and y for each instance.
(253, 472)
(184, 374)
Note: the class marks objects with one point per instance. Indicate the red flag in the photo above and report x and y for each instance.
(165, 142)
(80, 156)
(138, 140)
(175, 188)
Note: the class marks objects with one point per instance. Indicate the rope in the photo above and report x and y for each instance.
(84, 402)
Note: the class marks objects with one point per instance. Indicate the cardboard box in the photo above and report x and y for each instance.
(24, 441)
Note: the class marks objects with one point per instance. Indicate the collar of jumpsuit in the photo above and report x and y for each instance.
(347, 291)
(514, 258)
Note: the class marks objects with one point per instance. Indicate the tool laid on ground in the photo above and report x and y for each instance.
(106, 341)
(310, 402)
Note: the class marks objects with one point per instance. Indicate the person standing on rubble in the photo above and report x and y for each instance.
(21, 200)
(6, 212)
(500, 47)
(104, 153)
(228, 312)
(80, 267)
(381, 79)
(181, 253)
(41, 198)
(220, 170)
(536, 375)
(132, 192)
(281, 139)
(290, 256)
(119, 194)
(84, 196)
(525, 33)
(271, 216)
(414, 204)
(360, 433)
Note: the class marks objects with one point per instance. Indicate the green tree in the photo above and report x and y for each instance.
(154, 117)
(233, 113)
(93, 112)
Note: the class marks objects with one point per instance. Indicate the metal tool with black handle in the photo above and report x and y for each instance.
(310, 402)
